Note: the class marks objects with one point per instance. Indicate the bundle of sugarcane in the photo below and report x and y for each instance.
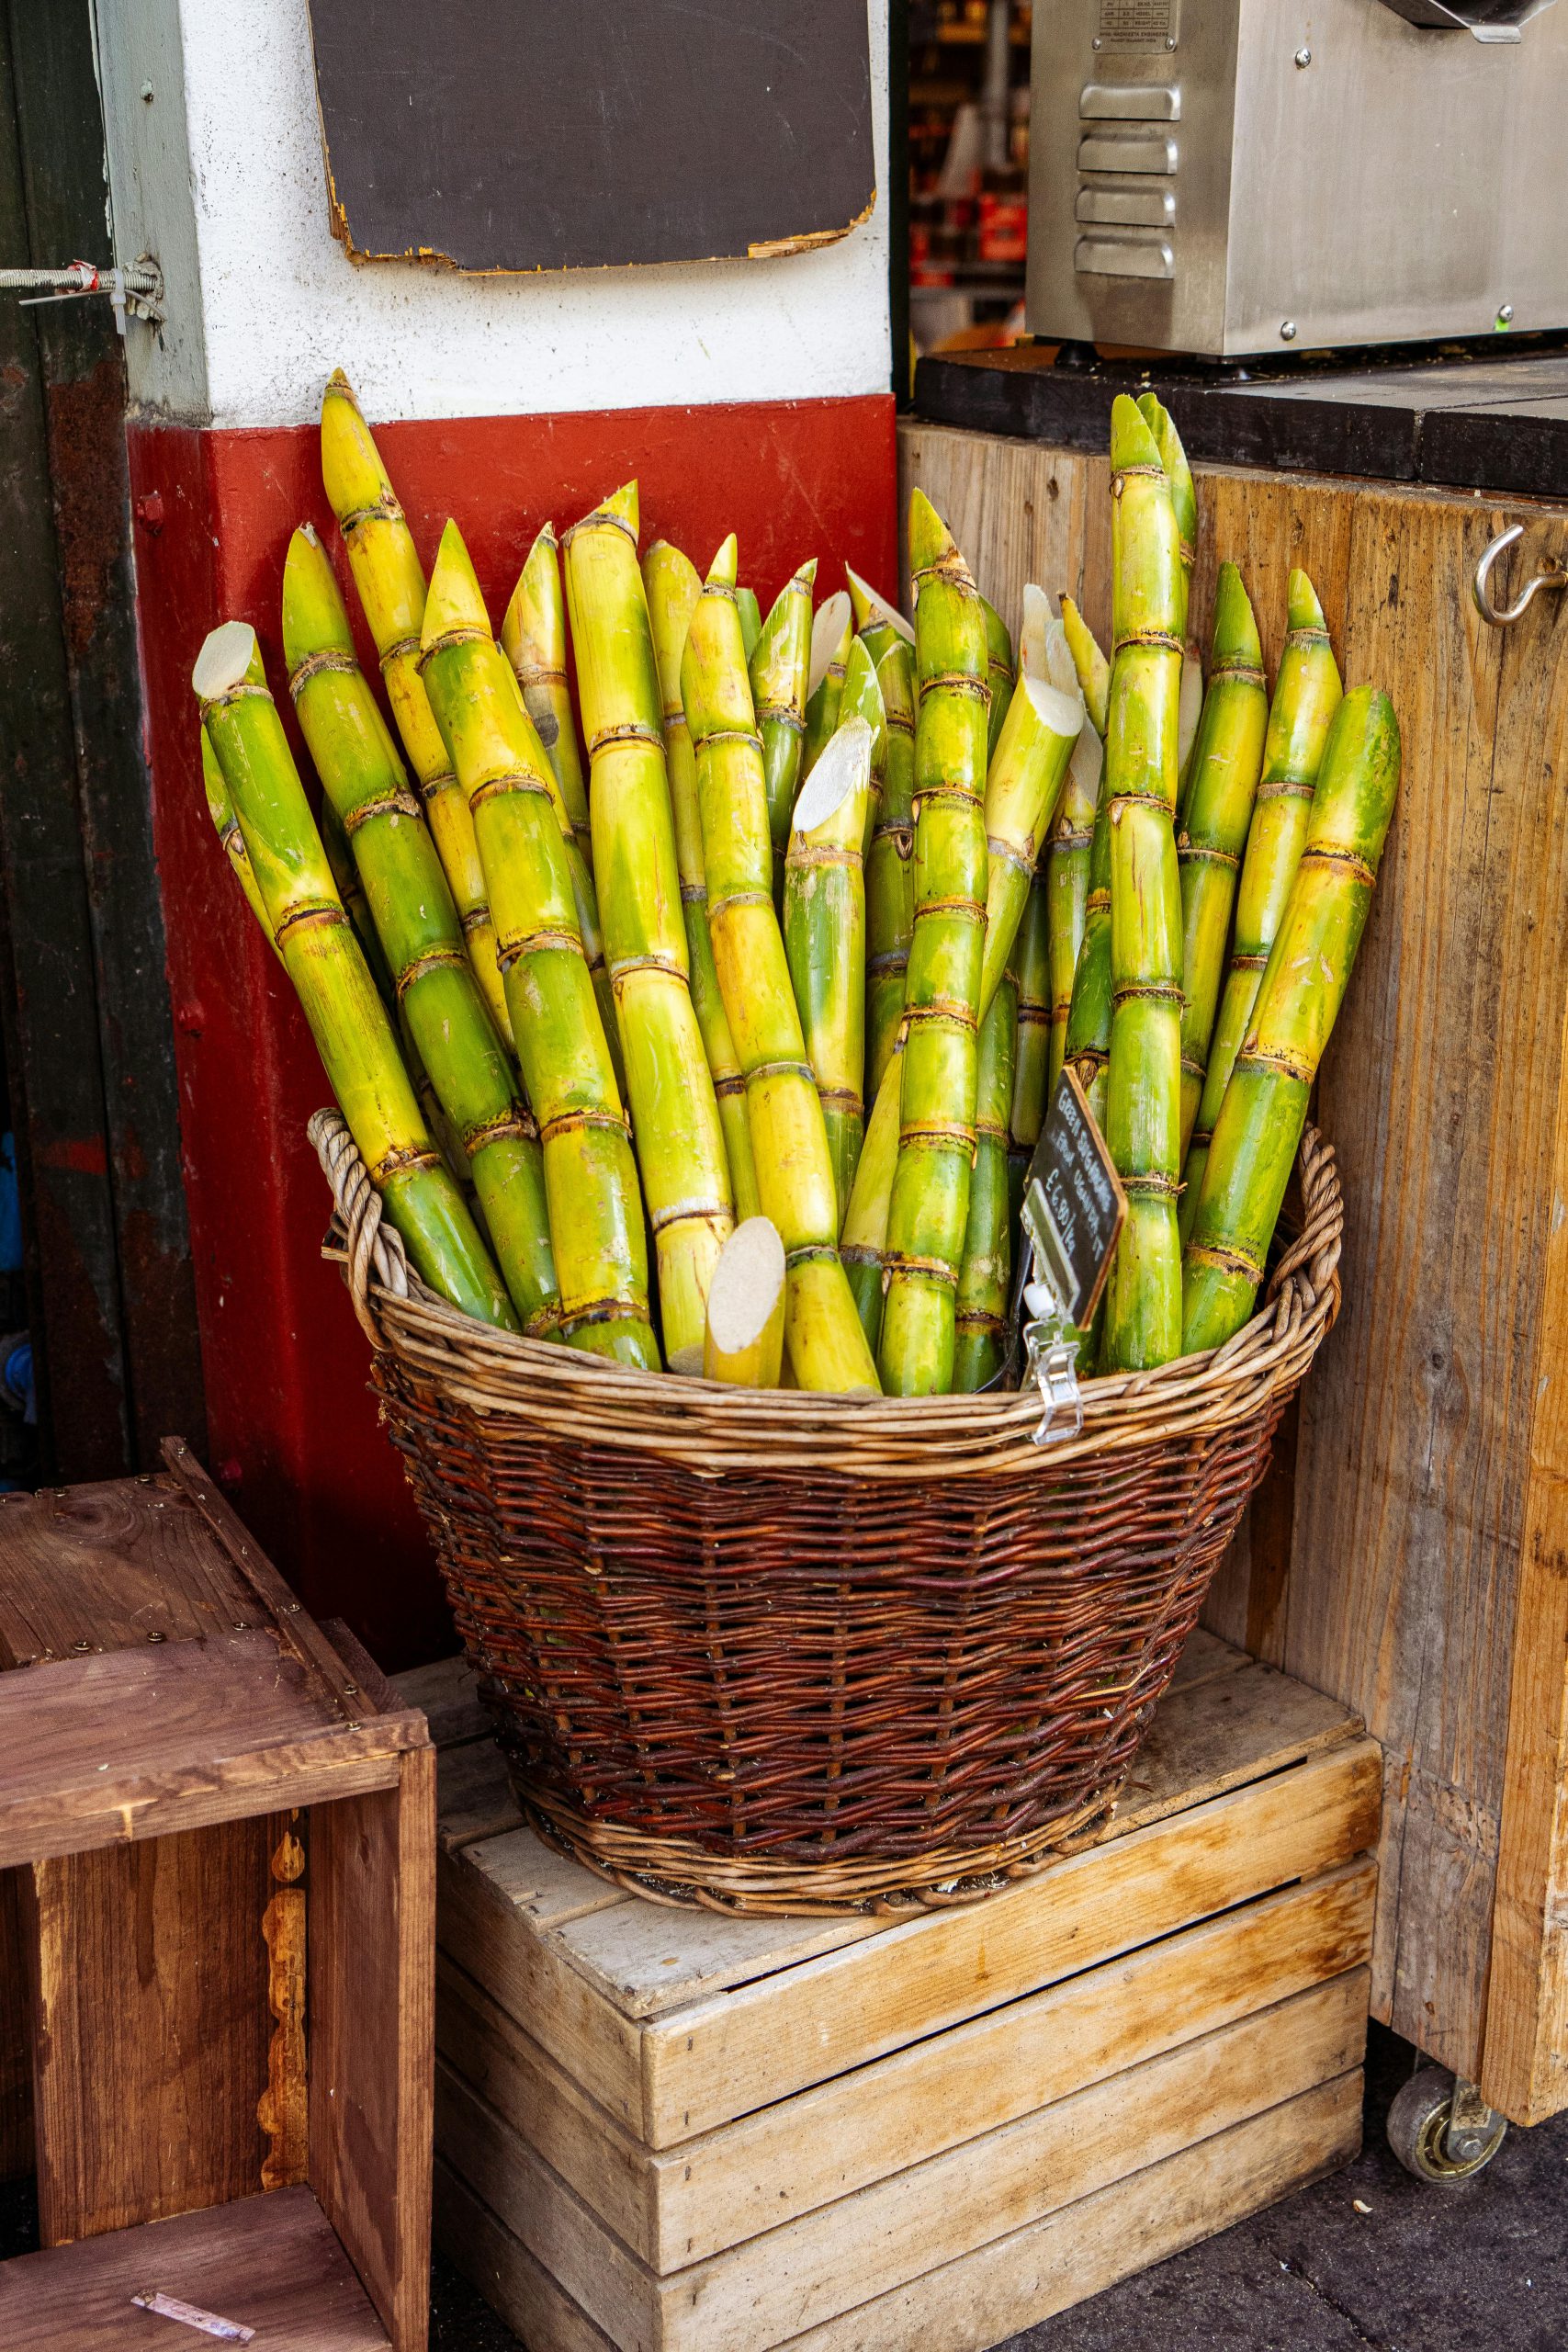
(417, 927)
(789, 1138)
(1306, 696)
(1260, 1120)
(595, 1206)
(675, 1120)
(305, 919)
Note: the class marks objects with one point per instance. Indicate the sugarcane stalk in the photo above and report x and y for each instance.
(675, 1122)
(789, 1139)
(220, 809)
(315, 939)
(863, 699)
(1086, 1045)
(390, 580)
(1227, 761)
(1183, 494)
(591, 1183)
(1031, 967)
(1001, 671)
(416, 927)
(863, 1243)
(1093, 668)
(824, 934)
(1306, 696)
(928, 1214)
(744, 1341)
(751, 613)
(1143, 1109)
(1068, 852)
(778, 664)
(1024, 789)
(1265, 1106)
(1190, 710)
(984, 1283)
(673, 587)
(831, 630)
(889, 874)
(532, 637)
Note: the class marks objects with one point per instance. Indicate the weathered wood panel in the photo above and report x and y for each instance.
(1406, 1513)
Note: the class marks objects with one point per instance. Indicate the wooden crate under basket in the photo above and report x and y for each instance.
(667, 2131)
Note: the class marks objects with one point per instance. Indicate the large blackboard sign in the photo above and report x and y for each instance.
(574, 134)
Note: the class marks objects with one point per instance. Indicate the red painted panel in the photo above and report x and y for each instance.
(292, 1424)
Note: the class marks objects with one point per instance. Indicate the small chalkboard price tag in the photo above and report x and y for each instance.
(1074, 1207)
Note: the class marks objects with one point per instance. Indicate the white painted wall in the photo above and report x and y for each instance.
(280, 305)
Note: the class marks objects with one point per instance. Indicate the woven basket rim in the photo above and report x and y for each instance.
(712, 1429)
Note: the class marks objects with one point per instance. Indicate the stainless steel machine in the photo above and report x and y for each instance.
(1232, 176)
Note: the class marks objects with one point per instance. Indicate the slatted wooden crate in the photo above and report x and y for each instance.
(670, 2132)
(217, 1932)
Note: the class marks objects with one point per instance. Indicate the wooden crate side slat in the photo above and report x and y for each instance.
(541, 2313)
(743, 2049)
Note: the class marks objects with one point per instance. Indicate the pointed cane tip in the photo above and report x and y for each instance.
(1303, 610)
(624, 505)
(1236, 624)
(806, 577)
(351, 471)
(930, 539)
(226, 658)
(1132, 442)
(545, 543)
(725, 567)
(455, 601)
(314, 616)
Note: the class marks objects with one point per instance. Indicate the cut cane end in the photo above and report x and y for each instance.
(748, 1283)
(1059, 710)
(830, 633)
(225, 661)
(351, 471)
(1132, 442)
(930, 541)
(844, 767)
(724, 568)
(1035, 638)
(1235, 640)
(1303, 608)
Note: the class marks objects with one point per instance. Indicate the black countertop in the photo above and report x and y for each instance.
(1498, 423)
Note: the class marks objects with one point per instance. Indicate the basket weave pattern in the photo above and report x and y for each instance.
(779, 1651)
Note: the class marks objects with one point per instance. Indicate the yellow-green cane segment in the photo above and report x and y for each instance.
(673, 587)
(1031, 967)
(1024, 789)
(591, 1183)
(986, 1278)
(1183, 491)
(226, 825)
(675, 1120)
(1093, 668)
(1142, 1111)
(779, 664)
(1000, 670)
(1067, 851)
(862, 1244)
(751, 613)
(824, 931)
(1265, 1107)
(1306, 696)
(367, 790)
(390, 580)
(1227, 759)
(831, 630)
(889, 867)
(532, 637)
(930, 1210)
(789, 1138)
(350, 1024)
(862, 699)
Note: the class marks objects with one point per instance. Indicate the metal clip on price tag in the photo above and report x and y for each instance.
(1053, 1350)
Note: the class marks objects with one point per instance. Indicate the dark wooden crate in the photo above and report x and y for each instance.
(217, 1840)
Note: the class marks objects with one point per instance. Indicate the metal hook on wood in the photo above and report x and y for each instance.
(1501, 615)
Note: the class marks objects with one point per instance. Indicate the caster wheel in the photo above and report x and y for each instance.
(1418, 2132)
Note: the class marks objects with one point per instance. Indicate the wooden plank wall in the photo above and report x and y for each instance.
(1388, 1571)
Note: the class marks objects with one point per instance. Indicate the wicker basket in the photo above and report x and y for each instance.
(776, 1651)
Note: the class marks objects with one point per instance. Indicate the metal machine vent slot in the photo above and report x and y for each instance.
(1129, 102)
(1124, 257)
(1127, 207)
(1127, 151)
